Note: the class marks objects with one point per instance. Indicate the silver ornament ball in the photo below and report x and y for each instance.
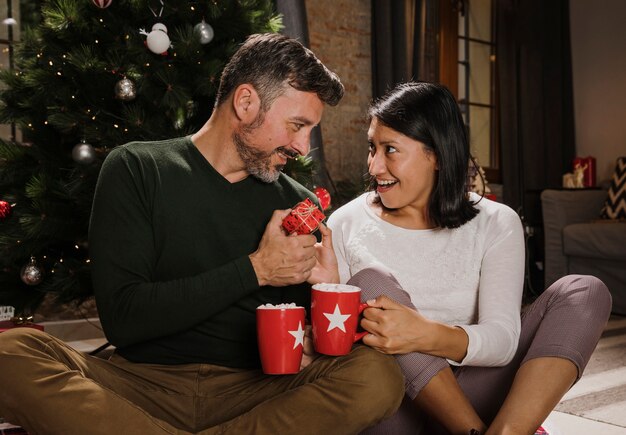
(31, 273)
(204, 32)
(125, 90)
(83, 153)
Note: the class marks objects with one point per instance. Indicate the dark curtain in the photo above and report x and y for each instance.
(295, 26)
(535, 100)
(536, 112)
(400, 45)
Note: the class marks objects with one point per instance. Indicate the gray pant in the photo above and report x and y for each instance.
(566, 321)
(49, 388)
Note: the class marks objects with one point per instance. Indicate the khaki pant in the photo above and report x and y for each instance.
(49, 388)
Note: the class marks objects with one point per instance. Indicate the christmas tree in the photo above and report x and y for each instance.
(91, 76)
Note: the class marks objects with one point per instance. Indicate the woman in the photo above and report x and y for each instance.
(443, 271)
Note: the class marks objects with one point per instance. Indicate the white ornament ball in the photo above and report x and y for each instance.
(31, 273)
(125, 90)
(83, 153)
(102, 4)
(204, 32)
(157, 40)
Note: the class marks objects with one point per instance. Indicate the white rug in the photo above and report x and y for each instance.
(601, 393)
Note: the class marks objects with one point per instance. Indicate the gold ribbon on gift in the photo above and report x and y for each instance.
(304, 212)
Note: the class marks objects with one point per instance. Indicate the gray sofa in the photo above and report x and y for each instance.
(578, 242)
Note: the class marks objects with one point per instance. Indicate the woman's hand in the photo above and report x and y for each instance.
(308, 353)
(326, 268)
(395, 328)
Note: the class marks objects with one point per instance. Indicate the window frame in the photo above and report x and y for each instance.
(450, 39)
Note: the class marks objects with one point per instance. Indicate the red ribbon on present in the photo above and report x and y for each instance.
(304, 218)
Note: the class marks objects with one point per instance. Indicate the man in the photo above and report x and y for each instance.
(186, 242)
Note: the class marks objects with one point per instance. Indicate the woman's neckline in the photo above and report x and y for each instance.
(371, 209)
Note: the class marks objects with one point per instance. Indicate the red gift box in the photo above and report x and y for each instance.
(19, 322)
(491, 196)
(304, 218)
(589, 170)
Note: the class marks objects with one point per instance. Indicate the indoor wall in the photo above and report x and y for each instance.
(598, 38)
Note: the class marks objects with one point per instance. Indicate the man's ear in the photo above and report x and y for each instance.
(246, 103)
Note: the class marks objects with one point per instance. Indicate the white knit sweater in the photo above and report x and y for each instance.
(470, 276)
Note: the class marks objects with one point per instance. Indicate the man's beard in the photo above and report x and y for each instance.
(258, 163)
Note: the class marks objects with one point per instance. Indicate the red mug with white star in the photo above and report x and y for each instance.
(280, 336)
(335, 310)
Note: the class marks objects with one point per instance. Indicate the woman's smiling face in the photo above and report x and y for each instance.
(404, 169)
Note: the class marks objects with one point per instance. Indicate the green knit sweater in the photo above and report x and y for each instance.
(169, 241)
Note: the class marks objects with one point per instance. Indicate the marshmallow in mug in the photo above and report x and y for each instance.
(277, 307)
(338, 288)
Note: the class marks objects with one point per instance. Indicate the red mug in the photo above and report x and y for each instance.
(335, 310)
(280, 336)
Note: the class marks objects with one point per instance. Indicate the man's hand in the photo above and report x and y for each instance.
(326, 269)
(280, 259)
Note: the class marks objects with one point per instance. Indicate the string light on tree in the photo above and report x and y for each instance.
(204, 32)
(32, 273)
(83, 153)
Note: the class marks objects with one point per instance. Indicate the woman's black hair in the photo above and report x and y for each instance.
(429, 113)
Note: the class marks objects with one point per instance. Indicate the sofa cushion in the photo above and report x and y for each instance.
(615, 205)
(599, 239)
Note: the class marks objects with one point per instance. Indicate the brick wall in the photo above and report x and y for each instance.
(340, 35)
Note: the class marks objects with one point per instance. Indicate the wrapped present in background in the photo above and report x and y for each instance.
(19, 322)
(6, 312)
(586, 166)
(304, 218)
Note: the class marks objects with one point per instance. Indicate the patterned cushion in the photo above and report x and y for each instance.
(615, 205)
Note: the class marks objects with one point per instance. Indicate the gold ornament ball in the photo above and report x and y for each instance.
(31, 273)
(125, 90)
